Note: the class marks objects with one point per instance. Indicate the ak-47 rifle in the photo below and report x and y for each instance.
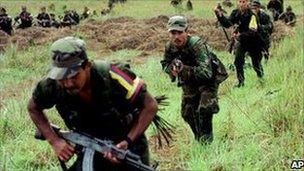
(91, 144)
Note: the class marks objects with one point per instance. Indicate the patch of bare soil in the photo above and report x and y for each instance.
(148, 35)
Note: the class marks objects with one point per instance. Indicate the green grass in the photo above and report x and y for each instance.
(259, 127)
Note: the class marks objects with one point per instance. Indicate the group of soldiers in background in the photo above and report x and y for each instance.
(43, 19)
(277, 9)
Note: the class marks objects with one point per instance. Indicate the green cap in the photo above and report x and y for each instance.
(178, 23)
(67, 55)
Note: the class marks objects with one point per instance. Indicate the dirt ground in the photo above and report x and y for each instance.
(148, 35)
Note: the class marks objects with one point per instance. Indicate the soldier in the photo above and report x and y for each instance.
(288, 17)
(96, 98)
(25, 17)
(86, 13)
(265, 26)
(276, 7)
(247, 36)
(5, 22)
(54, 22)
(43, 18)
(189, 5)
(70, 18)
(175, 2)
(188, 59)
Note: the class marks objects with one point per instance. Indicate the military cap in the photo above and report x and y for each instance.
(178, 23)
(67, 55)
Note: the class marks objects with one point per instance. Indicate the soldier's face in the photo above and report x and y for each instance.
(73, 85)
(242, 4)
(178, 38)
(255, 9)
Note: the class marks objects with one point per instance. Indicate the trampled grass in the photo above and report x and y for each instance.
(259, 127)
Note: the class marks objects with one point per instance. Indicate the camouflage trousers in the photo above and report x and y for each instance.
(139, 147)
(198, 106)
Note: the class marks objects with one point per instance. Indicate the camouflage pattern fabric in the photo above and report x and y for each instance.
(199, 101)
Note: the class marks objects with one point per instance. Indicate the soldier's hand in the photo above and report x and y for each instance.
(217, 11)
(177, 67)
(63, 149)
(111, 156)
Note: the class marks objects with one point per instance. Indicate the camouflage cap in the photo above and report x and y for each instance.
(67, 55)
(178, 23)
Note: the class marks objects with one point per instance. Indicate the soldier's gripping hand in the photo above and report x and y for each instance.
(63, 149)
(111, 156)
(217, 11)
(176, 67)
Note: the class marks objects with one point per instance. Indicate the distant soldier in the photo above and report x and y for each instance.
(5, 22)
(265, 26)
(86, 13)
(247, 38)
(188, 60)
(43, 18)
(276, 8)
(288, 17)
(175, 2)
(54, 22)
(25, 17)
(227, 3)
(189, 5)
(70, 18)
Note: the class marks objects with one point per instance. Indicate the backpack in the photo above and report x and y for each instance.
(219, 73)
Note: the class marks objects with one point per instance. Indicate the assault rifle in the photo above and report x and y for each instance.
(176, 64)
(91, 144)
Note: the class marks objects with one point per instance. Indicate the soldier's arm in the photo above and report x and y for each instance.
(145, 117)
(203, 70)
(43, 99)
(227, 22)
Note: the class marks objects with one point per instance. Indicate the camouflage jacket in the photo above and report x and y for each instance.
(197, 64)
(116, 92)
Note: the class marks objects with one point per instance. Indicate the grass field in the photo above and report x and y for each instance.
(259, 127)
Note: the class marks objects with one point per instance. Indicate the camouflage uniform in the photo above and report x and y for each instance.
(199, 99)
(44, 19)
(70, 18)
(276, 7)
(248, 41)
(288, 17)
(26, 19)
(5, 22)
(109, 116)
